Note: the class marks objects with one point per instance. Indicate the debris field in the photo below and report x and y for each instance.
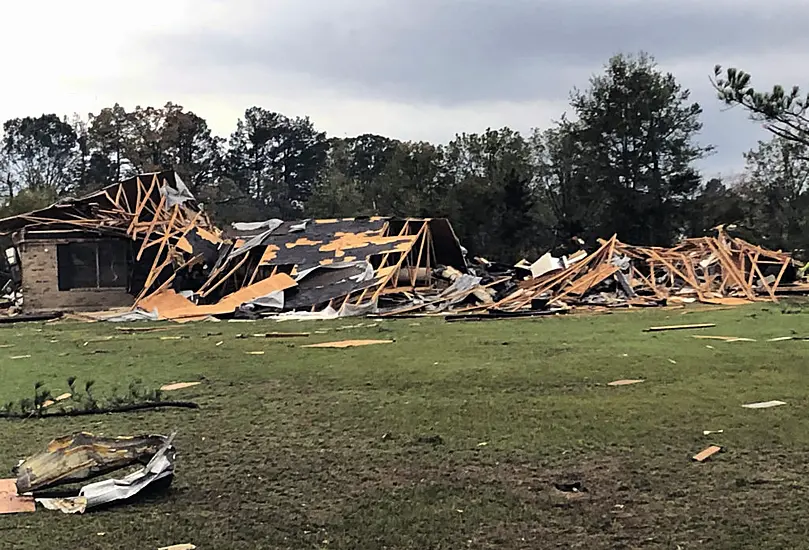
(144, 249)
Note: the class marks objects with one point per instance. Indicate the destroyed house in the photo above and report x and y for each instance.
(100, 251)
(145, 244)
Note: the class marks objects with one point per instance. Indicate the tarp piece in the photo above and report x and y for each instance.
(248, 227)
(177, 193)
(160, 467)
(83, 456)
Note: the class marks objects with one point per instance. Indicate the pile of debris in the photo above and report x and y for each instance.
(714, 270)
(145, 247)
(75, 458)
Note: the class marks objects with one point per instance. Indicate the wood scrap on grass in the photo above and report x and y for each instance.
(707, 453)
(624, 382)
(348, 344)
(179, 386)
(679, 327)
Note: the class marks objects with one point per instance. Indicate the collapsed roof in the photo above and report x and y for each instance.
(185, 267)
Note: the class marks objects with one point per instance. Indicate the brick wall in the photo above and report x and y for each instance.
(40, 283)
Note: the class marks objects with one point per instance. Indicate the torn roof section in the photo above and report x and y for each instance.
(310, 243)
(82, 213)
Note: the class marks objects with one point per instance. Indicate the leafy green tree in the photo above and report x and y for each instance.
(41, 152)
(493, 199)
(276, 160)
(775, 189)
(338, 192)
(714, 204)
(638, 131)
(574, 207)
(108, 134)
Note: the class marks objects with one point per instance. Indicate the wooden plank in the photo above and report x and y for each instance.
(150, 228)
(141, 205)
(679, 327)
(707, 453)
(226, 277)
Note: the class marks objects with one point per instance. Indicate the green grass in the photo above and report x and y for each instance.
(319, 448)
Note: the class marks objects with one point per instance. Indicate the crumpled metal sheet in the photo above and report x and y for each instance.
(83, 456)
(161, 466)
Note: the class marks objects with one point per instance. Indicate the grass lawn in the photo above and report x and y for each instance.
(323, 448)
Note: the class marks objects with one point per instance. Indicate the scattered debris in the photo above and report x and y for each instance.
(178, 547)
(679, 327)
(711, 432)
(159, 468)
(624, 382)
(20, 357)
(348, 343)
(672, 361)
(707, 453)
(720, 270)
(179, 386)
(184, 268)
(83, 456)
(764, 405)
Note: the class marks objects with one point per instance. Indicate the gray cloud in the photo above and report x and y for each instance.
(463, 53)
(452, 51)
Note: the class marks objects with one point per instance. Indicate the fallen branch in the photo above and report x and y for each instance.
(105, 410)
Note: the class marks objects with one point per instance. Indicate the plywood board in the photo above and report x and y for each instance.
(11, 502)
(172, 306)
(348, 343)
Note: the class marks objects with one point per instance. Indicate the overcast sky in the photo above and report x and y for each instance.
(409, 69)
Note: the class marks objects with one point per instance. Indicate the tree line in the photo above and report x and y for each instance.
(623, 163)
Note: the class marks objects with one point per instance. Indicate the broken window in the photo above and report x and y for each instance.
(103, 264)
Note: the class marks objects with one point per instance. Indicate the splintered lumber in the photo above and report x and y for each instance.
(707, 453)
(679, 327)
(715, 270)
